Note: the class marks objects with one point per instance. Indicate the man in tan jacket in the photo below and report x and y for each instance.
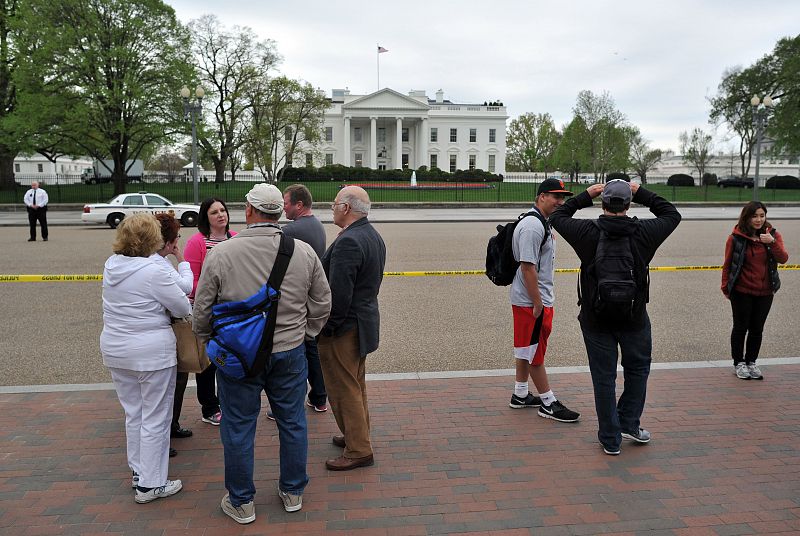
(235, 270)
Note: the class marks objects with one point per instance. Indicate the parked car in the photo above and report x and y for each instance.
(122, 205)
(735, 182)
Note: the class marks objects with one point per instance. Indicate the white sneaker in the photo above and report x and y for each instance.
(291, 503)
(242, 514)
(755, 372)
(170, 488)
(741, 371)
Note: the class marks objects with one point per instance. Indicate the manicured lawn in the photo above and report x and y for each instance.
(326, 191)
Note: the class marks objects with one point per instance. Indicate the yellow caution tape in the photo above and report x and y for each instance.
(71, 278)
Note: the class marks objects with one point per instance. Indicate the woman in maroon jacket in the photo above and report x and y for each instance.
(749, 280)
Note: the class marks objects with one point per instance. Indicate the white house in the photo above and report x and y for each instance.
(389, 130)
(36, 164)
(727, 165)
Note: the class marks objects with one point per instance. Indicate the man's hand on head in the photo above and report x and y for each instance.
(634, 187)
(595, 189)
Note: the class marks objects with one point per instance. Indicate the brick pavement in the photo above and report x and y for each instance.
(451, 457)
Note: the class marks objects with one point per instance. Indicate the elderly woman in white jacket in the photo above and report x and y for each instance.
(139, 349)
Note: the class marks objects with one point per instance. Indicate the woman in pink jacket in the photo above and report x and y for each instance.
(213, 225)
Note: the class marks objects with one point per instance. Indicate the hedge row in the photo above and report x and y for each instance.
(338, 172)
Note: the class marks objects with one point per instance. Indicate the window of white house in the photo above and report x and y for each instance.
(453, 163)
(405, 160)
(359, 159)
(40, 167)
(287, 133)
(472, 162)
(329, 134)
(382, 135)
(492, 135)
(453, 135)
(434, 134)
(16, 168)
(473, 135)
(434, 161)
(328, 159)
(405, 134)
(491, 163)
(309, 160)
(357, 134)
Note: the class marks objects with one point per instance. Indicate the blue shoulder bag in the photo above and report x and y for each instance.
(242, 331)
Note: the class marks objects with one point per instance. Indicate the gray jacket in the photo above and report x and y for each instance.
(237, 268)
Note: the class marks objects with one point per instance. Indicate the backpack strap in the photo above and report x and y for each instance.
(544, 222)
(596, 224)
(285, 252)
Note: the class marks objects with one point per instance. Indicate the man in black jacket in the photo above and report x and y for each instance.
(602, 335)
(354, 265)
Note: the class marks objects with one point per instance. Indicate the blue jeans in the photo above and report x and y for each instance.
(615, 417)
(317, 395)
(284, 380)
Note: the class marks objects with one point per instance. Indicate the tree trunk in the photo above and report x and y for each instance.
(7, 169)
(219, 169)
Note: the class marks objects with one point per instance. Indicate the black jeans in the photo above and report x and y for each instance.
(40, 215)
(749, 316)
(206, 394)
(602, 348)
(317, 395)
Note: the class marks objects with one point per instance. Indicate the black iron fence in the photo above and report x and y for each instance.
(71, 189)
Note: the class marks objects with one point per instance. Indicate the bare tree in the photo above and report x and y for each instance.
(230, 64)
(698, 149)
(642, 157)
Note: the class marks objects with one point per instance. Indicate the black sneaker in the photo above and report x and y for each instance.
(558, 412)
(530, 401)
(642, 436)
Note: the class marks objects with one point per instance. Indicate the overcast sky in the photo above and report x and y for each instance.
(660, 60)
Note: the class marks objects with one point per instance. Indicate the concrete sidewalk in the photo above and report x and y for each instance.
(451, 457)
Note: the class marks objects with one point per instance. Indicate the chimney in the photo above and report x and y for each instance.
(440, 96)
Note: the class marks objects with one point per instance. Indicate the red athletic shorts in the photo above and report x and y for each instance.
(531, 334)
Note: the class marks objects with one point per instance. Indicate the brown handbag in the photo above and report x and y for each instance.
(192, 355)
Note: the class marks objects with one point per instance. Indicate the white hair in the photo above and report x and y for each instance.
(356, 204)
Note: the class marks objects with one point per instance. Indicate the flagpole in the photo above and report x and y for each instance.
(378, 58)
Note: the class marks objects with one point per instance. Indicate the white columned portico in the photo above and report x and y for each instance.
(373, 142)
(346, 160)
(422, 155)
(398, 150)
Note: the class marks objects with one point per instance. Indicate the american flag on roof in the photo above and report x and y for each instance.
(381, 49)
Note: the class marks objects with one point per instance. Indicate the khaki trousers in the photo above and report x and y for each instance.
(344, 371)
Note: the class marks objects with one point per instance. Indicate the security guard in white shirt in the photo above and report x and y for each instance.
(36, 201)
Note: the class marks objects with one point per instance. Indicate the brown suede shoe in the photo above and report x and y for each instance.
(338, 440)
(345, 464)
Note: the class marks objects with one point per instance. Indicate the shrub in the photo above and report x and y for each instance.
(618, 175)
(680, 179)
(709, 179)
(783, 182)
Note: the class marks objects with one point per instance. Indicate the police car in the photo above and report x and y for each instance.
(122, 205)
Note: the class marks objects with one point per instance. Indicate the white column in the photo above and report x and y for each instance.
(346, 159)
(373, 143)
(424, 136)
(398, 151)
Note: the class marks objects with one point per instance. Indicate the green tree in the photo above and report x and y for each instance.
(531, 141)
(603, 122)
(642, 157)
(101, 75)
(573, 153)
(697, 148)
(785, 124)
(9, 143)
(231, 64)
(287, 116)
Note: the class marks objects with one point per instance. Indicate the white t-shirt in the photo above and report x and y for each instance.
(526, 244)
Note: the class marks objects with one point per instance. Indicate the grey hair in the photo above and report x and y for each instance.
(356, 204)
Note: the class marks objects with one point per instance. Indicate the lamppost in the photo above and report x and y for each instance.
(759, 119)
(192, 109)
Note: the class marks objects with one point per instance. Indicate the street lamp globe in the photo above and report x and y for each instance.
(755, 101)
(185, 92)
(199, 92)
(768, 102)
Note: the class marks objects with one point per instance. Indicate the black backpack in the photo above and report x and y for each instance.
(501, 266)
(620, 282)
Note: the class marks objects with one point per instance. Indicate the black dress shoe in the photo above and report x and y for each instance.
(180, 432)
(172, 452)
(31, 240)
(44, 240)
